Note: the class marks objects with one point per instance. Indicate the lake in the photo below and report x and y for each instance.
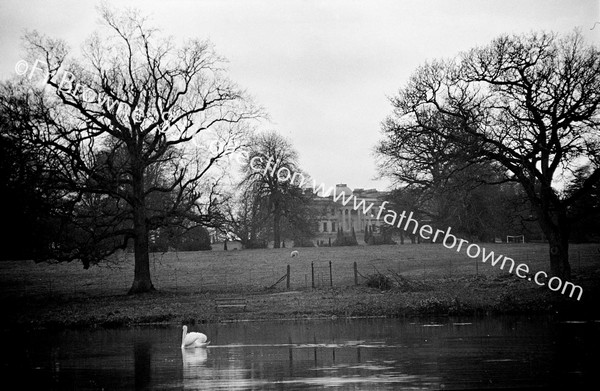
(341, 354)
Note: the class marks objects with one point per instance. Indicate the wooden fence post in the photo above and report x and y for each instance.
(330, 276)
(312, 271)
(288, 278)
(355, 274)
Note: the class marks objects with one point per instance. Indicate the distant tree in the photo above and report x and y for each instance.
(585, 211)
(195, 238)
(408, 198)
(249, 218)
(268, 175)
(526, 104)
(440, 184)
(133, 105)
(300, 217)
(425, 168)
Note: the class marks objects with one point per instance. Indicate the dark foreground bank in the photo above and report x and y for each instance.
(483, 295)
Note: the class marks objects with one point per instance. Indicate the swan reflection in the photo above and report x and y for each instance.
(195, 371)
(195, 357)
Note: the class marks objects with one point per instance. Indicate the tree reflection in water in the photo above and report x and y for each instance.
(142, 357)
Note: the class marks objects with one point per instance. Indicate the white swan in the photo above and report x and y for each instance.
(193, 340)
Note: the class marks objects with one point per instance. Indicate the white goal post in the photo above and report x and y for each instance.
(515, 238)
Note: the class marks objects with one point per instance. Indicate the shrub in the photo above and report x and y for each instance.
(433, 305)
(345, 241)
(384, 238)
(379, 281)
(303, 242)
(258, 243)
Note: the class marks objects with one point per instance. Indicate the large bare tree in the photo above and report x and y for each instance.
(528, 104)
(124, 120)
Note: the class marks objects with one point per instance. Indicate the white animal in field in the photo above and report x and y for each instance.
(294, 253)
(193, 340)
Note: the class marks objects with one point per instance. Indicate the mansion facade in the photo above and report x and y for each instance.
(334, 214)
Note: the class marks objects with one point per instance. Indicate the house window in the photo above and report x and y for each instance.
(325, 227)
(332, 226)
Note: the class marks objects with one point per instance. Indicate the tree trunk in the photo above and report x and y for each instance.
(141, 276)
(555, 226)
(559, 254)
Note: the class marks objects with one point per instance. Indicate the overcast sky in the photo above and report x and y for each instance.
(323, 69)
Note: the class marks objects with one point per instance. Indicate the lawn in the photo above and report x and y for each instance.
(428, 277)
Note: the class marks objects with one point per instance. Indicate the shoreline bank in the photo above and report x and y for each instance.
(392, 281)
(450, 297)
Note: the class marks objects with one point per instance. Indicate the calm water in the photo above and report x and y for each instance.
(373, 354)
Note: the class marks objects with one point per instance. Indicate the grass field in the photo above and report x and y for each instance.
(443, 279)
